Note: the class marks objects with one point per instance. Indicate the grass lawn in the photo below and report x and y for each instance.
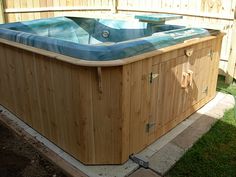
(214, 155)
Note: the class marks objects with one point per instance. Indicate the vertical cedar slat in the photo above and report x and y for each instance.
(145, 96)
(46, 105)
(140, 99)
(126, 109)
(116, 114)
(136, 124)
(154, 112)
(85, 106)
(10, 55)
(5, 95)
(102, 109)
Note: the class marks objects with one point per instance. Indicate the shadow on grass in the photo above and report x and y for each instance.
(221, 83)
(214, 155)
(225, 88)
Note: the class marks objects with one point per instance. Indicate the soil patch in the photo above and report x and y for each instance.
(19, 159)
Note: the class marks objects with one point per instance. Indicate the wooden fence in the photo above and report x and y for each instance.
(18, 10)
(217, 14)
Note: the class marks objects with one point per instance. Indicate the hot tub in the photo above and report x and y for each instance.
(105, 89)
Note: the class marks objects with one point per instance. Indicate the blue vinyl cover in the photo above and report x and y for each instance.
(97, 39)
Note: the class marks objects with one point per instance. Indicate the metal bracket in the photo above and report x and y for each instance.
(210, 54)
(152, 77)
(205, 90)
(149, 126)
(143, 162)
(99, 75)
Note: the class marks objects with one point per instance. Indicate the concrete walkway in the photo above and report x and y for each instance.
(160, 156)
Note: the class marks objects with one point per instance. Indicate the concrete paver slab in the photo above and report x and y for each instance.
(188, 137)
(144, 173)
(164, 159)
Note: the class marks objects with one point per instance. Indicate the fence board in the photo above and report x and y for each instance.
(18, 10)
(208, 8)
(2, 19)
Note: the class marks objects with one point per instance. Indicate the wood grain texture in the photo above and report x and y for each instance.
(20, 10)
(164, 103)
(203, 8)
(102, 117)
(63, 102)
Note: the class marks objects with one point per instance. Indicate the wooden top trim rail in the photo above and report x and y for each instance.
(111, 63)
(49, 9)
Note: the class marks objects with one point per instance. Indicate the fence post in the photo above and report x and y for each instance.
(114, 6)
(232, 58)
(2, 19)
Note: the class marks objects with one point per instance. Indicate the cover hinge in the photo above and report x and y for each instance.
(152, 76)
(149, 126)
